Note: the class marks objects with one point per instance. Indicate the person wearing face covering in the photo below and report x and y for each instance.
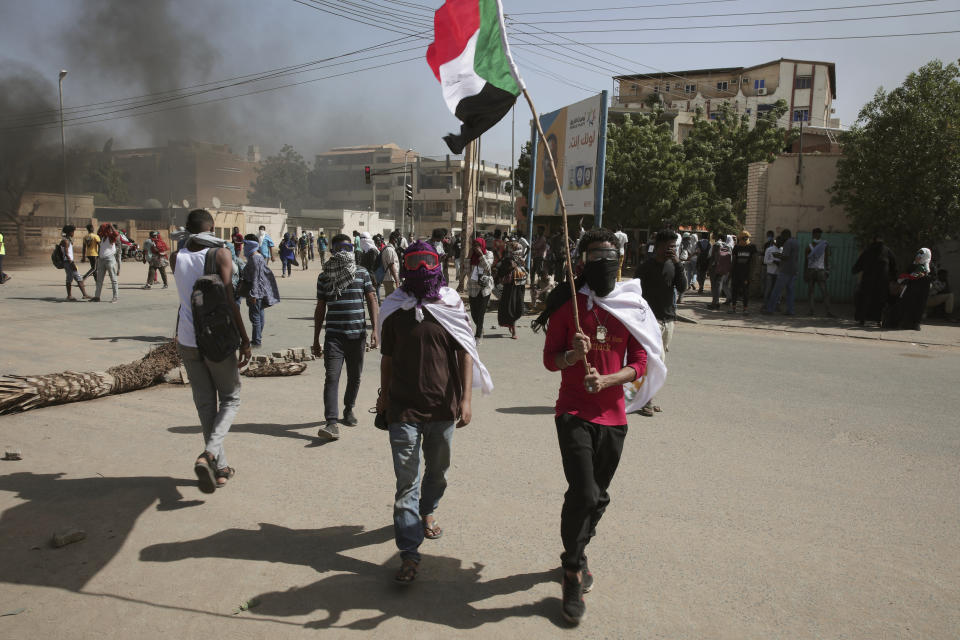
(428, 368)
(621, 344)
(259, 286)
(914, 289)
(661, 277)
(513, 277)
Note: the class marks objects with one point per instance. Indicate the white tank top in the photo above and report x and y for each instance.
(817, 262)
(189, 267)
(69, 249)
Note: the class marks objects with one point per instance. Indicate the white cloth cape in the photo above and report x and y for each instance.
(449, 312)
(626, 304)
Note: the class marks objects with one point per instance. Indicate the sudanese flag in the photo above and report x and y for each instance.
(471, 59)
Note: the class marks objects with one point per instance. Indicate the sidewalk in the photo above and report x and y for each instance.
(936, 332)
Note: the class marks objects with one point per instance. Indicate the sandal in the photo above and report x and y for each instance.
(434, 532)
(657, 408)
(224, 474)
(407, 572)
(646, 410)
(204, 468)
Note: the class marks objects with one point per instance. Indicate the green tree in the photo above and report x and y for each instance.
(644, 172)
(521, 175)
(283, 179)
(900, 171)
(725, 147)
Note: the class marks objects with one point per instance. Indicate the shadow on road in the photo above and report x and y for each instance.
(527, 411)
(105, 508)
(35, 299)
(278, 430)
(135, 338)
(445, 591)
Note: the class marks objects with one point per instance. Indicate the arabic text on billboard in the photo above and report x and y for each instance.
(573, 134)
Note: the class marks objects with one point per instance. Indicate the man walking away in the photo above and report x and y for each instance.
(259, 286)
(743, 255)
(622, 241)
(816, 270)
(662, 278)
(212, 382)
(302, 249)
(91, 249)
(771, 262)
(619, 344)
(69, 266)
(390, 258)
(3, 251)
(703, 261)
(786, 274)
(322, 248)
(341, 291)
(427, 372)
(721, 263)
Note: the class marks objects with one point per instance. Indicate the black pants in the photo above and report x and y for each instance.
(590, 454)
(93, 268)
(702, 273)
(740, 288)
(478, 306)
(337, 349)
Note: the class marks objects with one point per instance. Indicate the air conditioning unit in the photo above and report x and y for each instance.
(761, 91)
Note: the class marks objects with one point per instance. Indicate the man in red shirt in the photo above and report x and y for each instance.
(590, 411)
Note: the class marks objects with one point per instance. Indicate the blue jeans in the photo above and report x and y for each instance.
(415, 500)
(258, 319)
(783, 285)
(286, 267)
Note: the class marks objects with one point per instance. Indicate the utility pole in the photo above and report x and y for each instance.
(513, 169)
(63, 146)
(467, 189)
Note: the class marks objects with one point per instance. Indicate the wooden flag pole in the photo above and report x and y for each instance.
(563, 212)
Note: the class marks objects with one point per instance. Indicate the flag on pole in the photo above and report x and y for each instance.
(471, 58)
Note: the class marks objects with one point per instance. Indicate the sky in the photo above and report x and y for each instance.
(117, 49)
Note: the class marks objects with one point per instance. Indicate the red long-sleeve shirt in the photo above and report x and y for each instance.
(607, 406)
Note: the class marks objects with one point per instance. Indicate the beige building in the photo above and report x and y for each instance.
(808, 87)
(437, 187)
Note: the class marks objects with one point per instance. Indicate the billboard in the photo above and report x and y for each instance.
(577, 136)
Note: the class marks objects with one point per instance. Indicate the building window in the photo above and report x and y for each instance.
(801, 115)
(759, 84)
(713, 116)
(656, 88)
(749, 110)
(666, 87)
(383, 159)
(636, 89)
(722, 86)
(690, 88)
(803, 82)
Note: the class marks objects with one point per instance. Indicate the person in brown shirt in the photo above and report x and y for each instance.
(426, 377)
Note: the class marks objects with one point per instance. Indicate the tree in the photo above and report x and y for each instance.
(725, 147)
(644, 172)
(521, 174)
(283, 179)
(900, 171)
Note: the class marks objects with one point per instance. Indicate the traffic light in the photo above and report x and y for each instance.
(366, 174)
(408, 196)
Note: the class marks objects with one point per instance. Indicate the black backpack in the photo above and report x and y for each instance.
(217, 335)
(57, 257)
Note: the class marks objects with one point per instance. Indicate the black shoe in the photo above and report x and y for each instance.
(349, 419)
(574, 609)
(587, 578)
(329, 431)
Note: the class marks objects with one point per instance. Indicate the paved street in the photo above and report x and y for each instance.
(795, 486)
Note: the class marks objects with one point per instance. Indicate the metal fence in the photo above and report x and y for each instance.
(843, 250)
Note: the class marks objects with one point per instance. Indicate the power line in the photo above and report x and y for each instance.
(252, 77)
(632, 6)
(351, 15)
(758, 24)
(55, 124)
(741, 13)
(867, 37)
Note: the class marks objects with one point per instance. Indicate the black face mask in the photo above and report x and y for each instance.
(601, 276)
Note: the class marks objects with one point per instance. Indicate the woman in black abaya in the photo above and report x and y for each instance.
(878, 268)
(512, 275)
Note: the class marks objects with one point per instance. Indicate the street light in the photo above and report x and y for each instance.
(63, 147)
(404, 187)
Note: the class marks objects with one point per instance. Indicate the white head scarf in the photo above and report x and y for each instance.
(366, 242)
(923, 258)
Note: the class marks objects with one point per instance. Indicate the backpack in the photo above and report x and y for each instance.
(217, 335)
(57, 257)
(723, 260)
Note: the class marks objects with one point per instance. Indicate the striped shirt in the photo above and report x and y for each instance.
(345, 314)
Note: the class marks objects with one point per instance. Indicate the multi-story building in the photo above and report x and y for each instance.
(187, 170)
(438, 199)
(808, 87)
